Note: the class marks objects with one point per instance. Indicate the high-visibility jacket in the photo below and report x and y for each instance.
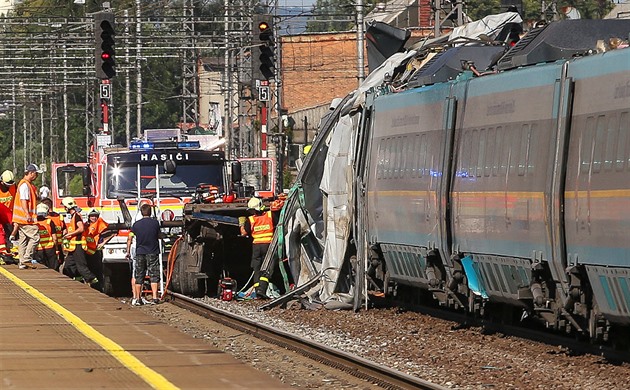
(47, 236)
(7, 196)
(3, 243)
(19, 214)
(92, 234)
(72, 226)
(59, 225)
(262, 228)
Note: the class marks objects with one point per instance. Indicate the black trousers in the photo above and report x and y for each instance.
(258, 256)
(76, 265)
(48, 257)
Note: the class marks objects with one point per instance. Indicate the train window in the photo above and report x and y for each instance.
(586, 146)
(423, 155)
(464, 166)
(506, 151)
(623, 151)
(523, 147)
(600, 140)
(416, 155)
(496, 155)
(474, 153)
(396, 158)
(406, 157)
(611, 143)
(532, 148)
(482, 152)
(381, 159)
(490, 152)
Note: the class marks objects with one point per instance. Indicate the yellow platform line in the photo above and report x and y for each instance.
(151, 377)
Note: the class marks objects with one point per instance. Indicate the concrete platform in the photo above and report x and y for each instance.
(58, 333)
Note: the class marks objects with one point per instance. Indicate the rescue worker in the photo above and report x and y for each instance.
(259, 227)
(59, 226)
(25, 218)
(46, 252)
(73, 243)
(7, 196)
(94, 227)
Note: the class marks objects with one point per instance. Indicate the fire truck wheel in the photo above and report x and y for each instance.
(183, 281)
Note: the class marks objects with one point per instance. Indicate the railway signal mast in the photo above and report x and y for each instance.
(264, 65)
(104, 55)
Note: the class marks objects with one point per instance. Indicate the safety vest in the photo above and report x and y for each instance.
(59, 224)
(47, 237)
(262, 228)
(71, 244)
(19, 214)
(7, 196)
(92, 234)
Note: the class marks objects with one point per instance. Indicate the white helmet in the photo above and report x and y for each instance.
(255, 204)
(68, 202)
(41, 210)
(8, 177)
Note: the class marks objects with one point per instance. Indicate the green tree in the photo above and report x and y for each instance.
(336, 15)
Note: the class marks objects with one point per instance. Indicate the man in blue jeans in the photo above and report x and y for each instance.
(147, 233)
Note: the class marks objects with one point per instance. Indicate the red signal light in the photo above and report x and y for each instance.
(106, 56)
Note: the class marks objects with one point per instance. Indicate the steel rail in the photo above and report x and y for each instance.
(346, 362)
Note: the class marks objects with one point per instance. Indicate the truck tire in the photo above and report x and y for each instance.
(185, 279)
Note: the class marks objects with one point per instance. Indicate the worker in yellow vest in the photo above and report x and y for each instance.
(46, 252)
(94, 242)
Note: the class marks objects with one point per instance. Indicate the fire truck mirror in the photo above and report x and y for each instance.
(170, 167)
(86, 174)
(236, 171)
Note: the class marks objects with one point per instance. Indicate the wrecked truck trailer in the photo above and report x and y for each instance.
(211, 246)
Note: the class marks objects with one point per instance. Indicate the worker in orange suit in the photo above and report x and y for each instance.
(60, 226)
(260, 227)
(46, 252)
(7, 197)
(94, 243)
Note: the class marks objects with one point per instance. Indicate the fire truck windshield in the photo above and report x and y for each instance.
(181, 181)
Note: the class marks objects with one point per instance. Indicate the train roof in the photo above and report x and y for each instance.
(552, 42)
(563, 40)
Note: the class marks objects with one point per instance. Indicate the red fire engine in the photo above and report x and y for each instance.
(166, 169)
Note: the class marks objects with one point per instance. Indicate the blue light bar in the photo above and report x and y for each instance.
(145, 145)
(141, 145)
(189, 145)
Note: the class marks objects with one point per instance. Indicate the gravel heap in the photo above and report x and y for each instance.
(432, 349)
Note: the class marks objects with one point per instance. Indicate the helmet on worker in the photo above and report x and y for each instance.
(255, 204)
(42, 210)
(94, 212)
(68, 202)
(8, 177)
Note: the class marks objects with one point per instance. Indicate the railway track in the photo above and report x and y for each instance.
(352, 364)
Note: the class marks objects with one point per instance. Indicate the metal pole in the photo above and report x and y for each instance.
(138, 72)
(41, 132)
(360, 42)
(65, 105)
(127, 83)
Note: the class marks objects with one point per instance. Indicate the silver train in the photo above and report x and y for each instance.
(513, 188)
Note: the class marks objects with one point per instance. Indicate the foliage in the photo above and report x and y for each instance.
(590, 9)
(336, 15)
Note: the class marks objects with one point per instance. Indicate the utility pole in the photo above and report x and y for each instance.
(360, 42)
